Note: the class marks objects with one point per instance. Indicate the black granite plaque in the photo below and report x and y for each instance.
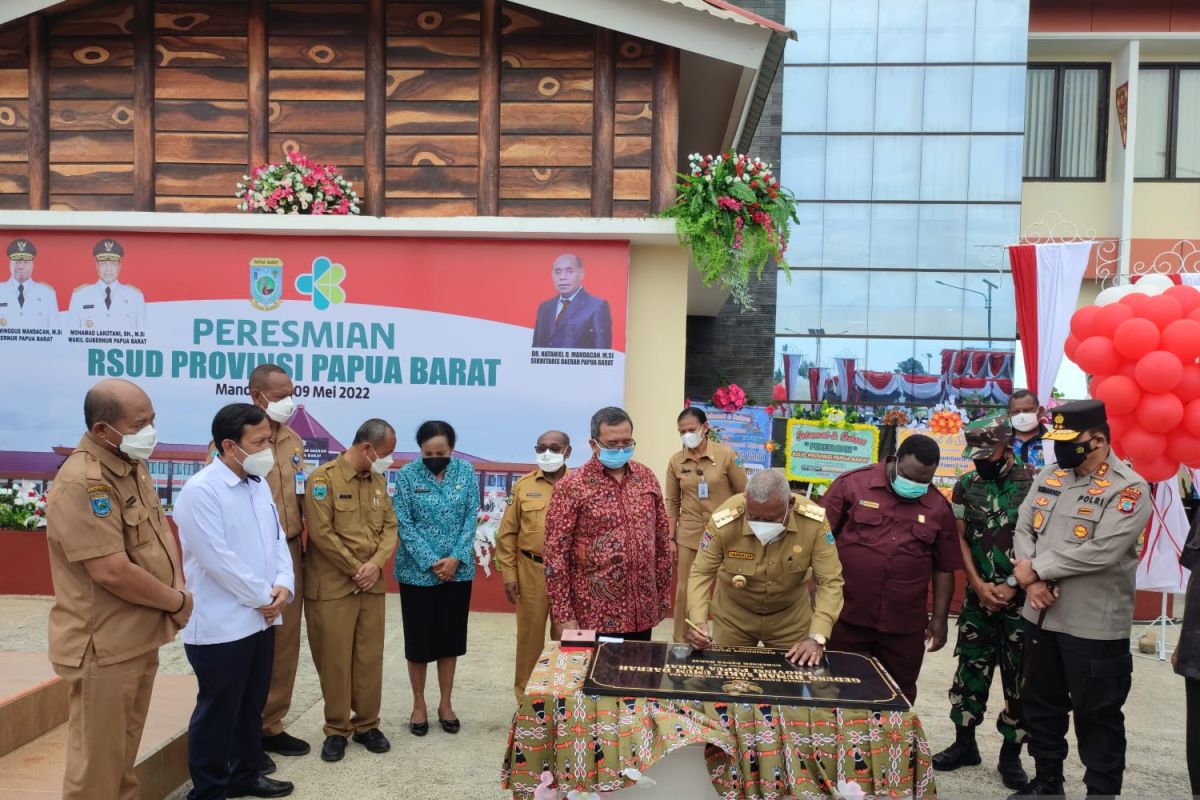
(740, 674)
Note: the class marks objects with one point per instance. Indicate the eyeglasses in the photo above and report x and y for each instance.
(625, 445)
(553, 448)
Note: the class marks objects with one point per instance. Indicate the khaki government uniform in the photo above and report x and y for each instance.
(725, 478)
(104, 648)
(519, 555)
(350, 521)
(762, 591)
(289, 460)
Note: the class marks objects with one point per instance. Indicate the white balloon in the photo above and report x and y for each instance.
(1112, 294)
(1153, 284)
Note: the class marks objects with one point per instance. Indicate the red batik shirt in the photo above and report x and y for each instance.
(607, 552)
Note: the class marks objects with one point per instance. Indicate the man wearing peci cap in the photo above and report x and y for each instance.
(1076, 545)
(108, 304)
(986, 502)
(25, 303)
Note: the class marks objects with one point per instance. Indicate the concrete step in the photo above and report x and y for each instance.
(34, 771)
(33, 700)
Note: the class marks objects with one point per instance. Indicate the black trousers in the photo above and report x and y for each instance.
(1089, 678)
(225, 733)
(1192, 687)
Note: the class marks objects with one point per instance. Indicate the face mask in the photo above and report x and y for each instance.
(436, 464)
(258, 464)
(137, 446)
(990, 470)
(615, 458)
(1071, 454)
(550, 461)
(766, 532)
(692, 439)
(1025, 421)
(909, 490)
(281, 410)
(381, 465)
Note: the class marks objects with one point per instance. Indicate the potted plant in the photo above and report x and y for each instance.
(22, 509)
(297, 186)
(734, 217)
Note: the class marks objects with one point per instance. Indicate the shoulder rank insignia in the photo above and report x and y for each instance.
(1060, 473)
(726, 516)
(1101, 470)
(812, 511)
(320, 491)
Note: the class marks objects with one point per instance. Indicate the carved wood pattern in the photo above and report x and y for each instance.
(14, 179)
(200, 51)
(91, 179)
(14, 115)
(214, 116)
(548, 182)
(426, 19)
(311, 52)
(330, 116)
(431, 181)
(433, 151)
(432, 84)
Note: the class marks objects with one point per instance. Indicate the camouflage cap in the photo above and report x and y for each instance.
(985, 433)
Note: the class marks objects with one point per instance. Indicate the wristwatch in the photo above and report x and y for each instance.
(1012, 582)
(819, 638)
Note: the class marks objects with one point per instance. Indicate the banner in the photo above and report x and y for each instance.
(953, 463)
(746, 432)
(818, 452)
(503, 339)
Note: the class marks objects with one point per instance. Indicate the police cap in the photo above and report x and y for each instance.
(108, 250)
(21, 250)
(1071, 419)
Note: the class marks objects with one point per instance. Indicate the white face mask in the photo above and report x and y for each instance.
(766, 532)
(381, 465)
(1025, 422)
(550, 461)
(258, 464)
(281, 410)
(692, 439)
(137, 446)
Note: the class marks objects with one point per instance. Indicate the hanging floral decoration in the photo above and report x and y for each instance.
(296, 186)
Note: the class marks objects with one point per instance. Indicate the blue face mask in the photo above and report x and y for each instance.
(615, 458)
(908, 489)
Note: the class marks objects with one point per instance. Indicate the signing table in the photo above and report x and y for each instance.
(592, 743)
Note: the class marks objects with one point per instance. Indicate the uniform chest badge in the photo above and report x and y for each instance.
(1080, 531)
(1101, 484)
(1096, 491)
(1042, 501)
(1061, 473)
(1055, 482)
(1039, 519)
(706, 540)
(320, 491)
(1127, 502)
(101, 507)
(739, 581)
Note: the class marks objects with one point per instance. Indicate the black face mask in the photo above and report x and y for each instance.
(436, 464)
(990, 470)
(1071, 454)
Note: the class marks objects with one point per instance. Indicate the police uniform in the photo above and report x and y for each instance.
(1081, 531)
(29, 304)
(350, 521)
(104, 306)
(695, 488)
(519, 545)
(762, 590)
(106, 649)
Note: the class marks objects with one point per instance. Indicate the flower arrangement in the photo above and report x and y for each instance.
(297, 186)
(828, 413)
(897, 417)
(947, 419)
(733, 215)
(729, 398)
(22, 509)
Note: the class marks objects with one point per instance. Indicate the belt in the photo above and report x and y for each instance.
(532, 556)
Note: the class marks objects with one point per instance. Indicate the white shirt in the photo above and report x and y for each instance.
(39, 311)
(234, 553)
(126, 310)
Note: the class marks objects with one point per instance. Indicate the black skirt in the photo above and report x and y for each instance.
(435, 620)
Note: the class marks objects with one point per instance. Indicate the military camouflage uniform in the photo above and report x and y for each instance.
(988, 509)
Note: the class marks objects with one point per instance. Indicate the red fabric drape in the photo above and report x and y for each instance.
(1023, 259)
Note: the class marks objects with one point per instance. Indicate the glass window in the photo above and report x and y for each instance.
(1153, 122)
(804, 99)
(798, 301)
(995, 168)
(1187, 127)
(803, 166)
(893, 235)
(831, 348)
(902, 31)
(844, 302)
(989, 227)
(929, 352)
(897, 168)
(996, 100)
(804, 245)
(950, 31)
(942, 237)
(810, 20)
(1066, 115)
(891, 355)
(1001, 30)
(1168, 146)
(848, 168)
(852, 31)
(893, 296)
(847, 240)
(898, 93)
(939, 304)
(947, 99)
(854, 88)
(945, 166)
(984, 295)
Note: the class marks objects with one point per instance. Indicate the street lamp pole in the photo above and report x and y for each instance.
(987, 300)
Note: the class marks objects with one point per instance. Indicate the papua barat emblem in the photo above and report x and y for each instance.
(266, 283)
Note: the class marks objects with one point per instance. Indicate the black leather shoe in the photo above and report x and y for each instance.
(418, 728)
(268, 766)
(1040, 786)
(450, 725)
(263, 787)
(1011, 772)
(286, 745)
(334, 748)
(373, 740)
(957, 755)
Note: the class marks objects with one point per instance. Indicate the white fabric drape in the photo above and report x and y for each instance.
(1060, 269)
(1077, 145)
(1039, 122)
(1158, 567)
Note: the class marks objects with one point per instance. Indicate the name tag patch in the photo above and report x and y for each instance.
(740, 555)
(1049, 491)
(868, 504)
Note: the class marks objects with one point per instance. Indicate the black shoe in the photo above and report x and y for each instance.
(959, 754)
(268, 766)
(373, 740)
(1011, 772)
(418, 728)
(286, 745)
(263, 787)
(1040, 786)
(334, 748)
(450, 725)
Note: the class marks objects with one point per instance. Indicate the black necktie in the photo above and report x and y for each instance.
(108, 297)
(21, 295)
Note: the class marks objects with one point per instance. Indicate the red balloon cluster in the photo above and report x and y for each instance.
(1141, 353)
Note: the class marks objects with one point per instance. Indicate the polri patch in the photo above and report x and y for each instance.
(740, 555)
(320, 491)
(1127, 502)
(101, 507)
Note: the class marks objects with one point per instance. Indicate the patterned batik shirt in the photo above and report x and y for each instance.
(436, 520)
(608, 550)
(988, 510)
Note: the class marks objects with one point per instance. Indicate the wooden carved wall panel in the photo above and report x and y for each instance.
(14, 115)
